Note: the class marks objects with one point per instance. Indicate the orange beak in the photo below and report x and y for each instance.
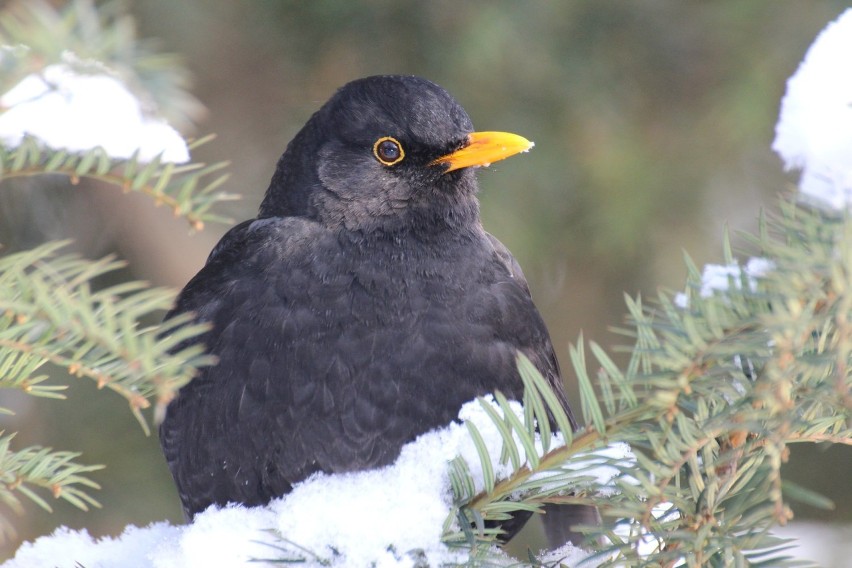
(483, 149)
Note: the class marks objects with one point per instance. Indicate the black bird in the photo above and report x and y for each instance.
(362, 307)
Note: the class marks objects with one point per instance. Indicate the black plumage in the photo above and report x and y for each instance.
(362, 307)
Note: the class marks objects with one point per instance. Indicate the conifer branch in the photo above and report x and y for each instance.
(189, 190)
(96, 38)
(34, 471)
(51, 310)
(89, 40)
(49, 313)
(714, 393)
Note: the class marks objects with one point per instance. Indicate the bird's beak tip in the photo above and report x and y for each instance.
(483, 149)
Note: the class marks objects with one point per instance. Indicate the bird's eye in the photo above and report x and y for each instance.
(388, 151)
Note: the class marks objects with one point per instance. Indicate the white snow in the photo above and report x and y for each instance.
(76, 112)
(358, 519)
(602, 466)
(566, 555)
(814, 130)
(718, 278)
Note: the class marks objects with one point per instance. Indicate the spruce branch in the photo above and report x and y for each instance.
(189, 190)
(52, 310)
(86, 40)
(714, 392)
(35, 470)
(95, 38)
(50, 313)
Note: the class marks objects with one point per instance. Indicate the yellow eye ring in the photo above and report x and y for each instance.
(388, 151)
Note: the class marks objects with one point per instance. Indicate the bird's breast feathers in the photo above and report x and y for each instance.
(299, 258)
(291, 284)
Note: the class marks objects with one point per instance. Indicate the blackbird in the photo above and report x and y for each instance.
(361, 308)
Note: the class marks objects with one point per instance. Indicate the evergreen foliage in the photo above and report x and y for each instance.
(712, 397)
(185, 188)
(95, 39)
(52, 312)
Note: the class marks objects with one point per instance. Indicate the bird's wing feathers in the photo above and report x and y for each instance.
(223, 434)
(505, 257)
(540, 349)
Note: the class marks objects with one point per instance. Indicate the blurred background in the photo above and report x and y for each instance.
(652, 120)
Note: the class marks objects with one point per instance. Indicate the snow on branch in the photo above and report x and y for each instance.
(391, 516)
(80, 96)
(814, 130)
(69, 110)
(65, 120)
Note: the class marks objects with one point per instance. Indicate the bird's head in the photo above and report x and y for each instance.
(386, 153)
